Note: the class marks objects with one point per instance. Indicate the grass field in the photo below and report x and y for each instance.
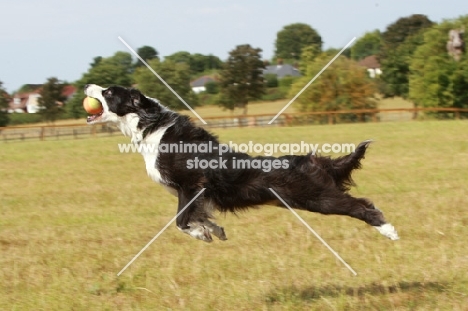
(73, 213)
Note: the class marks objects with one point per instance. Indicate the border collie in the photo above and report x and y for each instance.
(309, 182)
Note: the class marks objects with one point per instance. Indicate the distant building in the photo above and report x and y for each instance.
(198, 85)
(372, 65)
(28, 102)
(282, 70)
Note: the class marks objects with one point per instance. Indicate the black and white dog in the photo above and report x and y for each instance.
(308, 182)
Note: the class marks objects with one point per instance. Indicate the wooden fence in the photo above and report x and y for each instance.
(75, 131)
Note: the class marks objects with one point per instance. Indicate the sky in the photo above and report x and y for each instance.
(60, 38)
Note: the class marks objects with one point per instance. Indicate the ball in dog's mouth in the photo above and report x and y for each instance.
(94, 107)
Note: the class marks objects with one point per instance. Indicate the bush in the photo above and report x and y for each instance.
(286, 82)
(271, 80)
(205, 99)
(212, 87)
(4, 118)
(273, 94)
(24, 118)
(347, 86)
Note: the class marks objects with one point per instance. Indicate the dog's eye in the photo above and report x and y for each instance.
(107, 92)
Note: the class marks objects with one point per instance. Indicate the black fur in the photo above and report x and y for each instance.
(311, 182)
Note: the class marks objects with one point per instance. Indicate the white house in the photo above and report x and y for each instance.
(29, 102)
(198, 85)
(372, 65)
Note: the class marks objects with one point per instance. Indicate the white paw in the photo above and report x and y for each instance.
(389, 231)
(199, 232)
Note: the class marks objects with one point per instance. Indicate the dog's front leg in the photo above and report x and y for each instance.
(192, 219)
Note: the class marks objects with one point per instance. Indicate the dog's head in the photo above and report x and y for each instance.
(118, 103)
(132, 111)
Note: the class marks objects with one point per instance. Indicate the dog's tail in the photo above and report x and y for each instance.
(340, 169)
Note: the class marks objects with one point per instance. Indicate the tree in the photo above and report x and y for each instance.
(396, 66)
(177, 75)
(51, 97)
(345, 85)
(179, 57)
(436, 79)
(293, 38)
(242, 77)
(368, 44)
(114, 70)
(399, 41)
(96, 61)
(213, 62)
(147, 53)
(4, 118)
(396, 33)
(197, 62)
(308, 54)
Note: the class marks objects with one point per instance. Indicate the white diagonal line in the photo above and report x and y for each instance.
(160, 232)
(313, 231)
(313, 79)
(162, 80)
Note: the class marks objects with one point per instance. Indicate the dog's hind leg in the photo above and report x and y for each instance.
(339, 203)
(385, 229)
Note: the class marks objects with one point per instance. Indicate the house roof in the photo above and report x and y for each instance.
(202, 81)
(68, 90)
(20, 100)
(370, 62)
(282, 70)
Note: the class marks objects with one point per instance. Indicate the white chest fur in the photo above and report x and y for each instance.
(151, 152)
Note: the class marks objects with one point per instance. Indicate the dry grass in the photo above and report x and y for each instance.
(253, 108)
(395, 102)
(73, 213)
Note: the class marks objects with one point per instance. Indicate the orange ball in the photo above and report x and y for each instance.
(92, 105)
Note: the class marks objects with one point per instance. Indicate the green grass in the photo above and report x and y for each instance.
(73, 213)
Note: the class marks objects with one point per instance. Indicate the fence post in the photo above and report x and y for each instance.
(330, 118)
(457, 115)
(42, 133)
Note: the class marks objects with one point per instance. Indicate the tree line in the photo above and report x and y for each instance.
(411, 51)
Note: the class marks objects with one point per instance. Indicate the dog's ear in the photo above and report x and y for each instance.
(138, 99)
(135, 97)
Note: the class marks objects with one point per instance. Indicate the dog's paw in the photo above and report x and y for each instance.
(389, 231)
(221, 234)
(201, 233)
(218, 232)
